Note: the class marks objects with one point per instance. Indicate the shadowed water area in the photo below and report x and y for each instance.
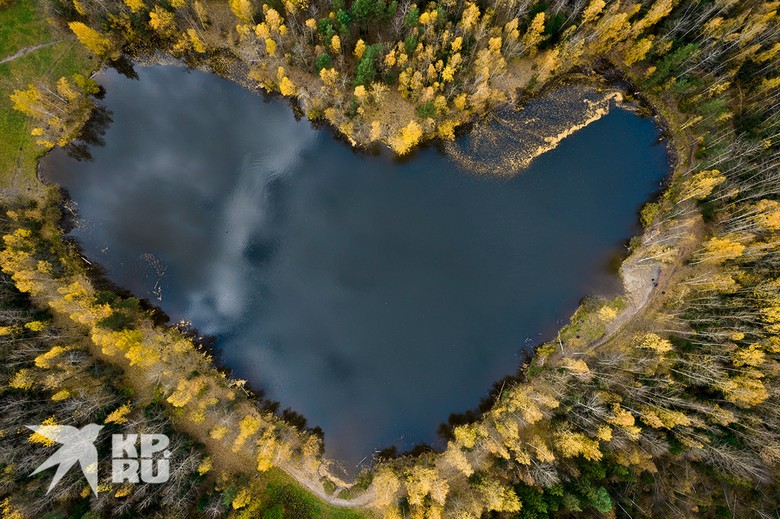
(375, 297)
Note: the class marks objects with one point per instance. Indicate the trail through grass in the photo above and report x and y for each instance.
(24, 25)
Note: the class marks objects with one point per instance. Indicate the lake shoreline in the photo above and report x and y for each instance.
(575, 77)
(516, 369)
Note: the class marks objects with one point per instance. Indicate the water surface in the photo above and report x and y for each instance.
(374, 297)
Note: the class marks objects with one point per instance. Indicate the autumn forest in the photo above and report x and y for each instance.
(661, 400)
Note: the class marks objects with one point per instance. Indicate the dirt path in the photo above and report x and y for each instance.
(27, 50)
(243, 464)
(639, 281)
(314, 485)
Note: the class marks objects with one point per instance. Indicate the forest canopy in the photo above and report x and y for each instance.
(665, 409)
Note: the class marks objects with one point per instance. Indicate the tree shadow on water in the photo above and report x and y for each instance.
(124, 66)
(91, 135)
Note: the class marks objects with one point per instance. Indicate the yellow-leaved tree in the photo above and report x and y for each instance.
(408, 137)
(242, 9)
(98, 43)
(386, 485)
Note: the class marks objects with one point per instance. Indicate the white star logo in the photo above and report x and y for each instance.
(78, 445)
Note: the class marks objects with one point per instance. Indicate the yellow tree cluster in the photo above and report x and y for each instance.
(98, 43)
(161, 356)
(57, 113)
(408, 137)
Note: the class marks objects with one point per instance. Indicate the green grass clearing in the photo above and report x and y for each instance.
(23, 25)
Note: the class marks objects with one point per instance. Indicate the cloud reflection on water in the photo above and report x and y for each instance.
(370, 296)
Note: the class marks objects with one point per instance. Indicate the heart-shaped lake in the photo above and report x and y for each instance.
(375, 297)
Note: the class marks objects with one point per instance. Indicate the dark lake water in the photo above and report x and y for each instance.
(373, 297)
